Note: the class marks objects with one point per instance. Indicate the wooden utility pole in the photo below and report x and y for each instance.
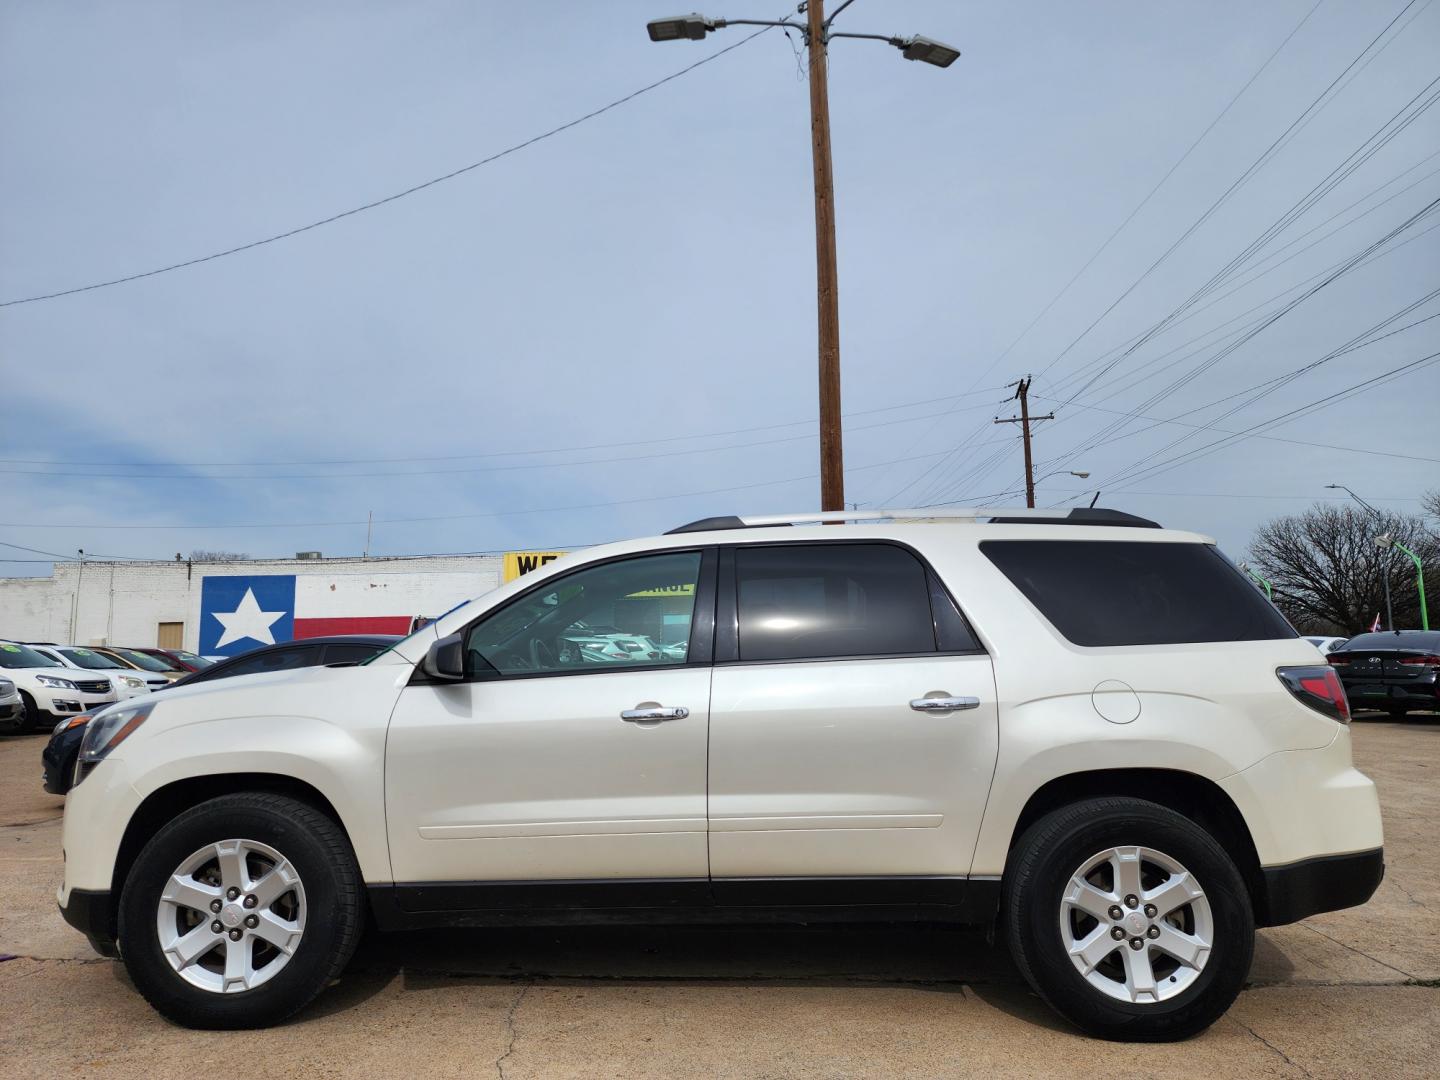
(1022, 391)
(832, 457)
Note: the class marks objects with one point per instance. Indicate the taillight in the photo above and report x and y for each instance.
(1318, 687)
(1421, 661)
(1338, 659)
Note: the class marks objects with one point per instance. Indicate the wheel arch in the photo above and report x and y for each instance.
(1195, 797)
(168, 801)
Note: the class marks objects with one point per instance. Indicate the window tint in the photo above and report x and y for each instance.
(22, 656)
(1101, 592)
(1421, 641)
(92, 660)
(815, 601)
(276, 660)
(621, 614)
(349, 654)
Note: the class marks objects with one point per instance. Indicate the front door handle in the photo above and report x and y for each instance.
(944, 704)
(654, 712)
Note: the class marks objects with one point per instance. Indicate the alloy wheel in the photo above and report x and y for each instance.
(231, 916)
(1136, 924)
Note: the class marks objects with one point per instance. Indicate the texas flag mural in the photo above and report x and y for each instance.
(244, 611)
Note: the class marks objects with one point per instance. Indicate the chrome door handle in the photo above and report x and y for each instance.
(944, 704)
(679, 712)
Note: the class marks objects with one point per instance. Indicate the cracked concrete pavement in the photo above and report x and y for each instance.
(1351, 993)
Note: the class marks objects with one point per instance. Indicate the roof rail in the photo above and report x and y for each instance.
(993, 515)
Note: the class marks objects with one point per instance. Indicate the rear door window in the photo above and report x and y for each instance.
(275, 660)
(824, 601)
(351, 653)
(1105, 592)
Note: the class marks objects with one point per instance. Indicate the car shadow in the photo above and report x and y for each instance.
(938, 959)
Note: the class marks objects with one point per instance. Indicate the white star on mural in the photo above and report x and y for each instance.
(247, 621)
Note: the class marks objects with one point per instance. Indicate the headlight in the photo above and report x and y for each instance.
(132, 682)
(54, 683)
(108, 729)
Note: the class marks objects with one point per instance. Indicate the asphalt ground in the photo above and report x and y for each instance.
(1350, 993)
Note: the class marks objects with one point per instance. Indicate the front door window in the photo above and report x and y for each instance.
(619, 615)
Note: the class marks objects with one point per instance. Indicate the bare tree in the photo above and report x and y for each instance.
(218, 556)
(1430, 504)
(1328, 570)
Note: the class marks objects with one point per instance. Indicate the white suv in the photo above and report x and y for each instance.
(48, 690)
(1087, 730)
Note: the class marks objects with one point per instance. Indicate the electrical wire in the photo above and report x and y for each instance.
(396, 195)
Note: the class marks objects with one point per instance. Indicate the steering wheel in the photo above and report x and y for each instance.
(541, 655)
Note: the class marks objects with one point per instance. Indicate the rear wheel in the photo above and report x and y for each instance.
(1128, 919)
(240, 911)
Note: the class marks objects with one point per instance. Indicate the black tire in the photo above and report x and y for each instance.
(1397, 714)
(321, 854)
(1040, 867)
(27, 719)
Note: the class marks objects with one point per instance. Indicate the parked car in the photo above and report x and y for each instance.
(143, 661)
(1394, 671)
(285, 655)
(186, 660)
(12, 709)
(1089, 732)
(58, 757)
(48, 690)
(128, 682)
(1326, 645)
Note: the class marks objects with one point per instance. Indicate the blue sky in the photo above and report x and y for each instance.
(646, 280)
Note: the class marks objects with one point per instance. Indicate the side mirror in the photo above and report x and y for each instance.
(446, 659)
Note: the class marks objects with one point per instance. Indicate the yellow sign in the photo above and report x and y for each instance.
(520, 563)
(688, 589)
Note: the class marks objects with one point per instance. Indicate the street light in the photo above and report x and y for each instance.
(1389, 617)
(817, 34)
(1385, 540)
(1262, 581)
(1067, 472)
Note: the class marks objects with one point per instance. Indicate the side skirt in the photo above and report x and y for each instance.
(696, 901)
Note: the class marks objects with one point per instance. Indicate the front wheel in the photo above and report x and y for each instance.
(240, 911)
(1128, 919)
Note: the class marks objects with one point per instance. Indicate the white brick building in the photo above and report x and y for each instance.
(159, 603)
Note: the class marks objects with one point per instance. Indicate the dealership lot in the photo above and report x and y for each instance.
(1348, 993)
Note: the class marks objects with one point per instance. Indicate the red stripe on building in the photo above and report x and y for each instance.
(371, 624)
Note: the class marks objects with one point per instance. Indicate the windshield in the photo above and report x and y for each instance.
(194, 660)
(144, 660)
(19, 656)
(92, 660)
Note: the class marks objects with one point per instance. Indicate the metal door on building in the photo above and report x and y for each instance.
(170, 635)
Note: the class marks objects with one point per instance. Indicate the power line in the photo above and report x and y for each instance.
(399, 194)
(511, 453)
(1109, 240)
(98, 526)
(1292, 414)
(1255, 166)
(225, 478)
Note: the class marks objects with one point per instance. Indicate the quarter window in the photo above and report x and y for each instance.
(819, 601)
(630, 613)
(1111, 592)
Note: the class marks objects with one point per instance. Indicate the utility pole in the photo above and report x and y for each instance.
(1022, 395)
(369, 531)
(827, 290)
(818, 34)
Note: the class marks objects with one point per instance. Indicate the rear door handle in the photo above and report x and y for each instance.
(636, 716)
(944, 704)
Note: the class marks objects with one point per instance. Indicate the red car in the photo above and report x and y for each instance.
(182, 658)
